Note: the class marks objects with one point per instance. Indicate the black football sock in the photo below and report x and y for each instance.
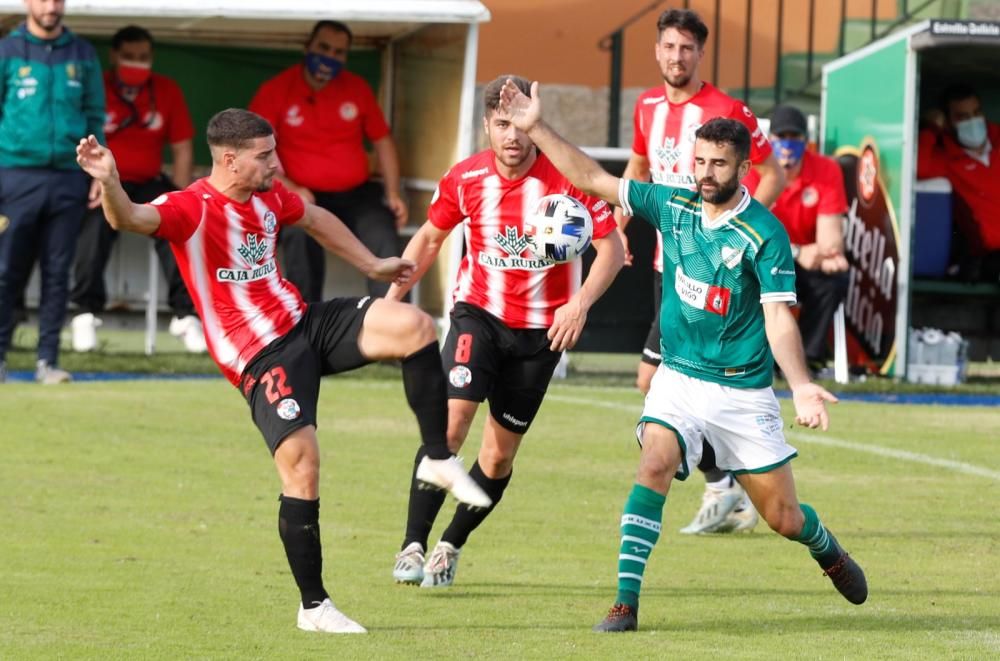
(425, 503)
(298, 526)
(427, 395)
(467, 518)
(707, 465)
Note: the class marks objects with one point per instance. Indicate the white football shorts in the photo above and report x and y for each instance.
(743, 425)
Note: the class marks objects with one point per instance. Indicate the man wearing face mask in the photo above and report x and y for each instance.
(958, 145)
(812, 208)
(322, 114)
(146, 112)
(50, 96)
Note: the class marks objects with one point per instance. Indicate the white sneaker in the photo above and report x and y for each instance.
(742, 519)
(327, 619)
(716, 504)
(190, 331)
(450, 474)
(439, 572)
(409, 567)
(84, 327)
(49, 375)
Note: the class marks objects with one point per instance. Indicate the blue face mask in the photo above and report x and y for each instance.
(788, 151)
(315, 60)
(971, 132)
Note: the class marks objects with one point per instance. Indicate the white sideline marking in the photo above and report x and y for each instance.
(829, 441)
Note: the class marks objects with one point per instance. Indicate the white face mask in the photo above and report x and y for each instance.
(971, 132)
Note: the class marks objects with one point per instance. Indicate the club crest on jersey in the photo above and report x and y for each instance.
(270, 222)
(513, 243)
(702, 295)
(731, 256)
(288, 409)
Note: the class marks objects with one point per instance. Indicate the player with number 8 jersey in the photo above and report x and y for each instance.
(513, 316)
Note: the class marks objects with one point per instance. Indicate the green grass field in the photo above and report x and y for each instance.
(139, 521)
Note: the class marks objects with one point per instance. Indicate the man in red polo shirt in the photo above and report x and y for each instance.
(145, 112)
(322, 114)
(958, 145)
(812, 208)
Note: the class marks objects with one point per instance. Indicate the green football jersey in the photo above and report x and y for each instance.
(715, 277)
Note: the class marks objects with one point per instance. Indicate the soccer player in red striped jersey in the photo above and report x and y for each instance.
(513, 317)
(665, 119)
(272, 345)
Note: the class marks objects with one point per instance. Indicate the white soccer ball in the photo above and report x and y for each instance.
(559, 229)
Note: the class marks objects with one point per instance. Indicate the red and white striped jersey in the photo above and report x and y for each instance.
(664, 134)
(225, 251)
(498, 274)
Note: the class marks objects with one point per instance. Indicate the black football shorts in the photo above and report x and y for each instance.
(486, 359)
(281, 383)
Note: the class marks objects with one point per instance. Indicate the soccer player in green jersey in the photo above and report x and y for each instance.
(728, 280)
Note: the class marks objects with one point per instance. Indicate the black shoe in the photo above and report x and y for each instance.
(621, 617)
(848, 578)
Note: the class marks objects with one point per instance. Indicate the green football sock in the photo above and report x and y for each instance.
(822, 545)
(640, 530)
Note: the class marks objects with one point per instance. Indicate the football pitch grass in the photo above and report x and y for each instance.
(140, 520)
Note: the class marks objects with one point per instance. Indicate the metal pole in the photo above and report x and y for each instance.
(809, 50)
(746, 53)
(777, 59)
(843, 22)
(615, 89)
(715, 48)
(874, 15)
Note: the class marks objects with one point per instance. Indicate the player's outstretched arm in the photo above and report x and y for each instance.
(334, 236)
(786, 345)
(570, 318)
(581, 170)
(97, 161)
(422, 250)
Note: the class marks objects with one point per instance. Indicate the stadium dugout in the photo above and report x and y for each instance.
(899, 230)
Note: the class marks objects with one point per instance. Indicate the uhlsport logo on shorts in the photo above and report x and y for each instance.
(288, 409)
(460, 376)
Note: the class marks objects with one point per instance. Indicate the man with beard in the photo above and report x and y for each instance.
(729, 278)
(513, 317)
(270, 343)
(665, 120)
(51, 95)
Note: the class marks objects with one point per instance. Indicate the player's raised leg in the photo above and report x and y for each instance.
(641, 522)
(773, 493)
(492, 472)
(398, 330)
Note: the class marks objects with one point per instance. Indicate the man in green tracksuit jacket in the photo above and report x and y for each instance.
(51, 96)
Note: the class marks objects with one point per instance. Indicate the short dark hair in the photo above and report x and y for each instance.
(236, 128)
(956, 92)
(724, 131)
(130, 34)
(684, 20)
(336, 26)
(491, 93)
